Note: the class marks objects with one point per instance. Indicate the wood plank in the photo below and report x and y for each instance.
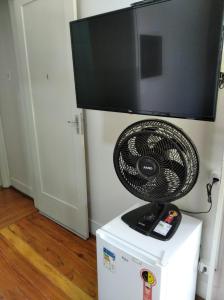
(63, 259)
(86, 250)
(51, 273)
(69, 265)
(14, 206)
(21, 280)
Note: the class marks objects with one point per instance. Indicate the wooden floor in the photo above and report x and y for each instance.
(14, 206)
(39, 259)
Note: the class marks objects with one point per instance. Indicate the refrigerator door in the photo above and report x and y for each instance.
(123, 274)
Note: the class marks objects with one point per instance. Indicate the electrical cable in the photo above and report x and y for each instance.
(221, 81)
(198, 212)
(209, 187)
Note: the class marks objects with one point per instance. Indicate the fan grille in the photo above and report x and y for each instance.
(156, 161)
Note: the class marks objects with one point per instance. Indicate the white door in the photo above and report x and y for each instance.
(42, 37)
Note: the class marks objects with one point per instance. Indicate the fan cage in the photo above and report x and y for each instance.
(177, 175)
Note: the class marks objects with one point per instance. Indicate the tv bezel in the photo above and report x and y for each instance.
(210, 118)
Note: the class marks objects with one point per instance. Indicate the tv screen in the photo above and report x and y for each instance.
(158, 59)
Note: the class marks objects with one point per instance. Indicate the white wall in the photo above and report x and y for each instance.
(107, 196)
(10, 108)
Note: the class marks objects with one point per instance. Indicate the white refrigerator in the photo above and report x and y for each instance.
(132, 266)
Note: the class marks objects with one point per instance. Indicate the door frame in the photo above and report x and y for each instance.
(217, 232)
(24, 98)
(4, 168)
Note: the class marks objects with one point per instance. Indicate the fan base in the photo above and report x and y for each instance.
(159, 221)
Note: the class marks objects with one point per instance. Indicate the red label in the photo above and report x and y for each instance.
(149, 281)
(172, 214)
(169, 219)
(147, 294)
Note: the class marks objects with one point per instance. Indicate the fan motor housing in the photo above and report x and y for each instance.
(147, 167)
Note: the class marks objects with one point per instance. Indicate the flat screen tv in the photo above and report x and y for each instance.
(159, 59)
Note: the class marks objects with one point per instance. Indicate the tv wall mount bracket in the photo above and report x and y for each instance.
(147, 2)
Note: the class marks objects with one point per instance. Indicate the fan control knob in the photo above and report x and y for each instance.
(150, 218)
(146, 219)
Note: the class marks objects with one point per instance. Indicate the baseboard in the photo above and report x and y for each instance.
(62, 225)
(94, 226)
(22, 187)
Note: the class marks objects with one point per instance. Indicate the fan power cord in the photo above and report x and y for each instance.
(221, 80)
(209, 187)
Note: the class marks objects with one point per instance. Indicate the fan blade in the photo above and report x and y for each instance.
(135, 180)
(142, 145)
(162, 187)
(166, 144)
(129, 160)
(129, 157)
(177, 168)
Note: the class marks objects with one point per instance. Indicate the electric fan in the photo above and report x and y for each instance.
(157, 162)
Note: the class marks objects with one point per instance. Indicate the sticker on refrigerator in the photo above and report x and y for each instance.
(109, 259)
(149, 281)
